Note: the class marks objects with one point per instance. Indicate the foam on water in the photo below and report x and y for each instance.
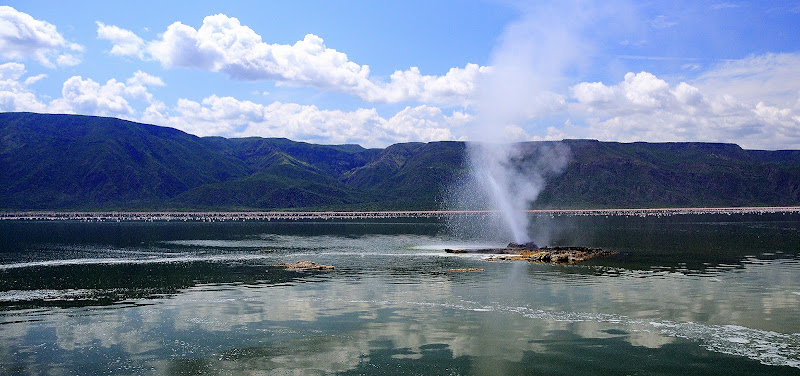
(767, 347)
(47, 294)
(222, 243)
(123, 261)
(442, 247)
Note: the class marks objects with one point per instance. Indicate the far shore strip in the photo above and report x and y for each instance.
(214, 216)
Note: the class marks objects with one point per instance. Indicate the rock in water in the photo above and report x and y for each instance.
(304, 266)
(557, 255)
(531, 252)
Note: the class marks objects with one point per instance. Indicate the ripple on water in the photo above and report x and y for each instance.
(767, 347)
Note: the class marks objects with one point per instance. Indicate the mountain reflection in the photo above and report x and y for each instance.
(103, 284)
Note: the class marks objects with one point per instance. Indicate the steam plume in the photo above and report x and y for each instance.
(529, 63)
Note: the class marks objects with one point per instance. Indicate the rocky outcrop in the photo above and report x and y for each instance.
(530, 252)
(304, 266)
(556, 255)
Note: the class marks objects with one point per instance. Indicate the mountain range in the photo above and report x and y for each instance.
(75, 162)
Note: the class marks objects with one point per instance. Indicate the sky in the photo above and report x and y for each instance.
(376, 73)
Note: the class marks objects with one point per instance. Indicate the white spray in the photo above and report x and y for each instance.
(512, 176)
(531, 61)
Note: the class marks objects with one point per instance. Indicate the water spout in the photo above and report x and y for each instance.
(516, 223)
(508, 178)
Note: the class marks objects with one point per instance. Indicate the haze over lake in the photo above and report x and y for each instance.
(688, 294)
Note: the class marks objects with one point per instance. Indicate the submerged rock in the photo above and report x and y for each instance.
(304, 266)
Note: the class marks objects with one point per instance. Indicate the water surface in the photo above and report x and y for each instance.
(688, 294)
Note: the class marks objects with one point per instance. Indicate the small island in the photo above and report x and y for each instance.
(533, 253)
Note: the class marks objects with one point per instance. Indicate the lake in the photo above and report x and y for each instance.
(687, 294)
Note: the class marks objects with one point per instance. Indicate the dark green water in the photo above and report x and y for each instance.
(688, 294)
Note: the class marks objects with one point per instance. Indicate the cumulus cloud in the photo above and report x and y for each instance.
(238, 118)
(85, 96)
(24, 37)
(11, 71)
(143, 79)
(126, 43)
(645, 107)
(638, 92)
(228, 116)
(457, 85)
(78, 95)
(136, 86)
(223, 44)
(14, 94)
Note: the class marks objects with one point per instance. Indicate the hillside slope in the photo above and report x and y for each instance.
(73, 162)
(609, 174)
(84, 162)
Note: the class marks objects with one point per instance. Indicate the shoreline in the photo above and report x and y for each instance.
(214, 216)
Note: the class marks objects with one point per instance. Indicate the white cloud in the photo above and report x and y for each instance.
(85, 96)
(772, 78)
(78, 95)
(231, 117)
(14, 95)
(228, 116)
(11, 71)
(421, 123)
(126, 43)
(34, 79)
(144, 79)
(67, 60)
(593, 92)
(222, 44)
(89, 97)
(136, 86)
(644, 107)
(638, 92)
(456, 86)
(24, 37)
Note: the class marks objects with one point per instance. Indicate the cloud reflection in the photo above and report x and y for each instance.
(405, 310)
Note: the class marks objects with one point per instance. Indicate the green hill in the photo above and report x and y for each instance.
(73, 162)
(609, 174)
(83, 162)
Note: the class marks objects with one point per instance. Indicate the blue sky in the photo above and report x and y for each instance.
(376, 73)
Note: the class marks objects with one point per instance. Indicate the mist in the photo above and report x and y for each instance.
(531, 61)
(511, 177)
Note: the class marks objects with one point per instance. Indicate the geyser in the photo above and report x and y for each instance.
(490, 168)
(511, 177)
(521, 90)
